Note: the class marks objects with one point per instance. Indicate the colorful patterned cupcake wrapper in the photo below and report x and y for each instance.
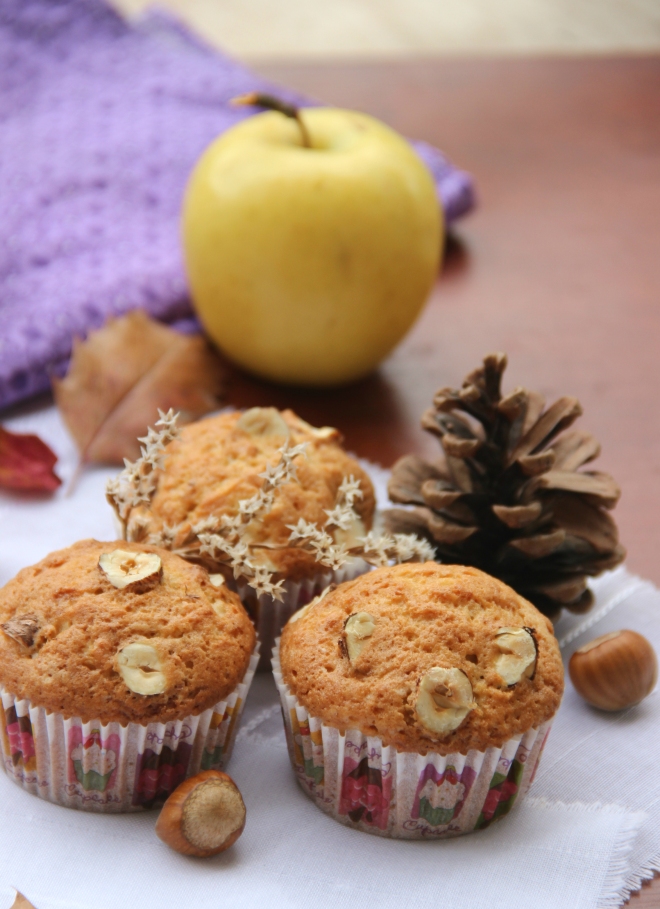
(112, 767)
(372, 787)
(270, 615)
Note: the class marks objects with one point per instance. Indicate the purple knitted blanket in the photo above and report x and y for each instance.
(100, 125)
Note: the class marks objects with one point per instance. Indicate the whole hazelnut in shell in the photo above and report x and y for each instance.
(614, 671)
(203, 816)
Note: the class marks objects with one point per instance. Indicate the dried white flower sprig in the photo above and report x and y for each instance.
(222, 541)
(377, 549)
(136, 483)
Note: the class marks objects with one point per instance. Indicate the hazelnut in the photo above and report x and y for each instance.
(140, 667)
(203, 816)
(444, 700)
(615, 670)
(134, 571)
(263, 421)
(358, 628)
(519, 651)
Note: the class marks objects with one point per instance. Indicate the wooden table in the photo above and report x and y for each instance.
(559, 266)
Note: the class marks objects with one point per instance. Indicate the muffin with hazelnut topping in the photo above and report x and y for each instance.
(417, 698)
(123, 670)
(231, 491)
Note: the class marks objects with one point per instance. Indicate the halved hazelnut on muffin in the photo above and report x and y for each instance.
(358, 628)
(444, 700)
(141, 667)
(134, 571)
(519, 652)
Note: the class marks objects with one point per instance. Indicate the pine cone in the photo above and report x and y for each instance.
(508, 497)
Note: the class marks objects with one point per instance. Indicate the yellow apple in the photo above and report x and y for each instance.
(308, 264)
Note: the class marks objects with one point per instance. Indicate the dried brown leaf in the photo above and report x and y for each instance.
(122, 374)
(26, 463)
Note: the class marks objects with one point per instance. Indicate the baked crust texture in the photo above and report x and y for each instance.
(424, 616)
(201, 634)
(215, 463)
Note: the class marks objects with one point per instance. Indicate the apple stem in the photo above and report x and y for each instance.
(270, 102)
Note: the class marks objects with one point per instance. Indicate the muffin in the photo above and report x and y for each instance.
(123, 670)
(417, 698)
(217, 463)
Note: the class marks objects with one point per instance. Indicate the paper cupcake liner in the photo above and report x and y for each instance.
(110, 767)
(375, 788)
(270, 615)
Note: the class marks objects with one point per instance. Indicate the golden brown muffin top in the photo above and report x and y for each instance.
(216, 462)
(428, 657)
(75, 644)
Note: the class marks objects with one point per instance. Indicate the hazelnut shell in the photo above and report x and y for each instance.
(614, 671)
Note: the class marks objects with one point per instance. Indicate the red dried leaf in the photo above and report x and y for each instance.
(26, 463)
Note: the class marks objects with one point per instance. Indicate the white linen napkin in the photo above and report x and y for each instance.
(572, 843)
(291, 855)
(613, 757)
